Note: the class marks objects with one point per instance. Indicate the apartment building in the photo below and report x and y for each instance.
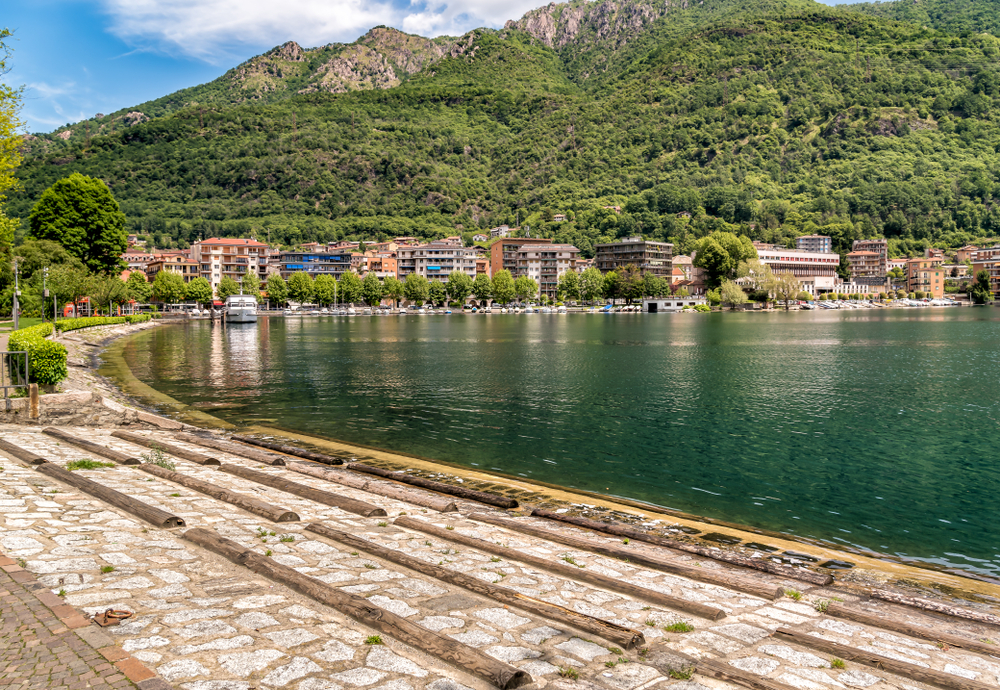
(314, 263)
(869, 262)
(814, 243)
(219, 258)
(965, 253)
(652, 257)
(501, 231)
(927, 275)
(503, 254)
(184, 266)
(988, 259)
(436, 260)
(817, 271)
(383, 264)
(545, 264)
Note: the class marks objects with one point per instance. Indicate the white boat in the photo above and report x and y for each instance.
(241, 309)
(402, 311)
(351, 311)
(562, 310)
(368, 311)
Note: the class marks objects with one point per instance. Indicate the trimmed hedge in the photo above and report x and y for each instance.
(66, 325)
(47, 359)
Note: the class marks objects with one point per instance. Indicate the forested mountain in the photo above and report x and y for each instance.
(959, 17)
(772, 118)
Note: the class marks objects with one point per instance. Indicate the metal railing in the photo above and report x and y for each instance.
(15, 368)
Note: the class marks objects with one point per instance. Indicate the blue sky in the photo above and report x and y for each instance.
(76, 58)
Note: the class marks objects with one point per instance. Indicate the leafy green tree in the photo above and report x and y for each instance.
(371, 289)
(393, 289)
(732, 294)
(34, 255)
(137, 287)
(350, 287)
(482, 287)
(416, 288)
(682, 292)
(980, 291)
(503, 287)
(568, 287)
(300, 287)
(325, 290)
(714, 297)
(80, 213)
(227, 287)
(591, 284)
(198, 290)
(11, 146)
(277, 290)
(611, 285)
(438, 292)
(168, 287)
(631, 283)
(459, 286)
(525, 288)
(251, 285)
(720, 255)
(786, 287)
(107, 291)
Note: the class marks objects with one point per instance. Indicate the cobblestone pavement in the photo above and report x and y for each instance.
(204, 623)
(38, 649)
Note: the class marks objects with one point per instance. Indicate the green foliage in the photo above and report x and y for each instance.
(137, 287)
(87, 465)
(324, 289)
(277, 289)
(67, 325)
(591, 284)
(568, 286)
(168, 287)
(251, 284)
(459, 286)
(393, 288)
(503, 287)
(980, 291)
(349, 287)
(721, 254)
(371, 289)
(679, 627)
(80, 213)
(482, 287)
(732, 294)
(702, 308)
(416, 289)
(525, 288)
(198, 290)
(437, 292)
(106, 291)
(300, 287)
(47, 359)
(227, 287)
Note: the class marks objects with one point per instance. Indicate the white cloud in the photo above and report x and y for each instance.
(217, 30)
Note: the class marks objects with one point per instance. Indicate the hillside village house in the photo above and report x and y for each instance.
(927, 275)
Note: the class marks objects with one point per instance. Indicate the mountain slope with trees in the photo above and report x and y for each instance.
(769, 119)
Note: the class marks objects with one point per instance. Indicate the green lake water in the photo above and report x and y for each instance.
(877, 430)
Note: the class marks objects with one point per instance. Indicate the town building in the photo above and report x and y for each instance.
(314, 263)
(682, 263)
(817, 271)
(559, 218)
(869, 263)
(814, 243)
(652, 257)
(670, 304)
(965, 253)
(897, 263)
(545, 264)
(179, 263)
(926, 275)
(934, 253)
(383, 264)
(501, 231)
(503, 254)
(232, 257)
(988, 259)
(136, 260)
(480, 238)
(436, 260)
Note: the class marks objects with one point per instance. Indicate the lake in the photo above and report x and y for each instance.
(877, 430)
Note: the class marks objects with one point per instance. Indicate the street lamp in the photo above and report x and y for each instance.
(17, 293)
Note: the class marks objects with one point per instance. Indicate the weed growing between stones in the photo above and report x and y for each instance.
(793, 594)
(268, 552)
(373, 639)
(287, 538)
(822, 605)
(156, 457)
(679, 627)
(569, 672)
(107, 569)
(682, 673)
(87, 465)
(382, 523)
(836, 663)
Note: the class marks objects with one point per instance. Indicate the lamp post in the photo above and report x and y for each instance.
(45, 293)
(17, 293)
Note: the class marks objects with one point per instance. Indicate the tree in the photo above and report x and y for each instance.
(438, 292)
(198, 290)
(720, 255)
(11, 145)
(591, 284)
(525, 288)
(568, 287)
(631, 284)
(611, 284)
(786, 287)
(459, 286)
(682, 292)
(760, 278)
(251, 285)
(371, 289)
(277, 289)
(106, 290)
(393, 289)
(653, 285)
(168, 287)
(349, 287)
(325, 289)
(137, 287)
(416, 289)
(300, 287)
(980, 291)
(482, 287)
(227, 287)
(732, 294)
(503, 287)
(80, 213)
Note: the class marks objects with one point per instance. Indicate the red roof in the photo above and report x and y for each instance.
(233, 242)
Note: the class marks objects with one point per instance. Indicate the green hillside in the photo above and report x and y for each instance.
(958, 17)
(773, 118)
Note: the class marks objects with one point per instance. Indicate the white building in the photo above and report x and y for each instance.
(545, 264)
(500, 231)
(817, 271)
(436, 261)
(229, 257)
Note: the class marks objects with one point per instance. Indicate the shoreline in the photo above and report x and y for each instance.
(870, 568)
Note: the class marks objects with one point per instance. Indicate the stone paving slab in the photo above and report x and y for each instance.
(203, 623)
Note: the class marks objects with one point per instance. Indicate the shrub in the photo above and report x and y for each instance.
(87, 465)
(702, 307)
(66, 325)
(46, 359)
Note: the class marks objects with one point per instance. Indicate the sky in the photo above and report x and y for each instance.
(77, 58)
